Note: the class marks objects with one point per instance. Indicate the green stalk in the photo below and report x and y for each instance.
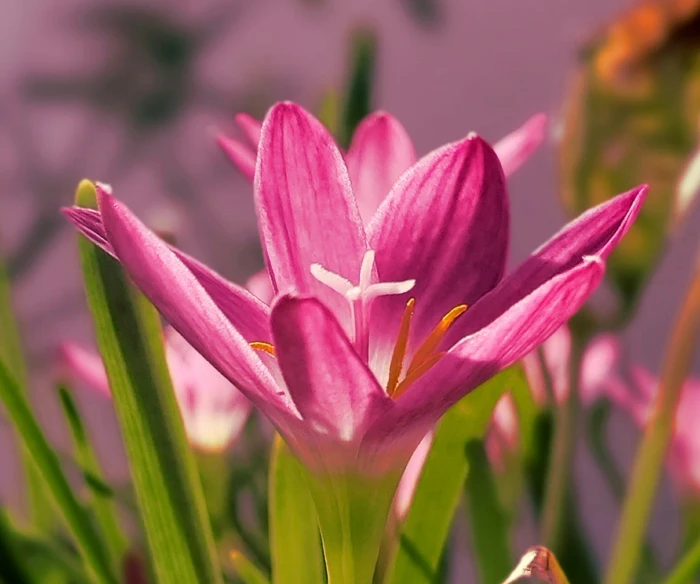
(562, 453)
(102, 499)
(687, 569)
(648, 464)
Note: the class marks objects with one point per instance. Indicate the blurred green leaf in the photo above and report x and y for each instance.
(11, 352)
(13, 565)
(103, 495)
(163, 469)
(687, 568)
(632, 117)
(248, 571)
(574, 553)
(489, 526)
(358, 93)
(86, 537)
(295, 541)
(424, 532)
(292, 512)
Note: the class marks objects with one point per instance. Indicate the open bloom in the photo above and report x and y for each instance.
(213, 411)
(636, 393)
(369, 340)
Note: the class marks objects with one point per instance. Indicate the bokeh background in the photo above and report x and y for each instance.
(132, 93)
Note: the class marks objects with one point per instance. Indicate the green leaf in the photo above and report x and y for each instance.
(103, 495)
(688, 568)
(13, 566)
(489, 525)
(426, 527)
(11, 352)
(358, 94)
(249, 572)
(295, 541)
(163, 469)
(46, 461)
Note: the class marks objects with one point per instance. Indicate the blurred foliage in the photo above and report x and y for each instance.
(632, 117)
(424, 11)
(358, 101)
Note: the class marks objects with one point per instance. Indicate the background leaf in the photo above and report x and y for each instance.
(163, 470)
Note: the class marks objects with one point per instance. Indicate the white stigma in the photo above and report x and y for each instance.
(361, 296)
(365, 290)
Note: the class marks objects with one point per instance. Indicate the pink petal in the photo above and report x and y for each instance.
(516, 147)
(213, 410)
(411, 476)
(259, 284)
(84, 366)
(247, 313)
(523, 311)
(244, 157)
(183, 301)
(557, 351)
(511, 335)
(598, 366)
(251, 128)
(446, 225)
(380, 152)
(306, 209)
(333, 389)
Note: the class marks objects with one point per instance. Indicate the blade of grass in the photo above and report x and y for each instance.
(102, 496)
(163, 469)
(44, 457)
(40, 511)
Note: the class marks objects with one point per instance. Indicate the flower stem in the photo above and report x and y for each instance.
(562, 452)
(650, 456)
(687, 569)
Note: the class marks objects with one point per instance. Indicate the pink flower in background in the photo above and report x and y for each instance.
(636, 394)
(599, 364)
(369, 340)
(214, 411)
(411, 476)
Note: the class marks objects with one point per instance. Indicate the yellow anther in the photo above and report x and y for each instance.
(427, 349)
(260, 346)
(400, 348)
(416, 373)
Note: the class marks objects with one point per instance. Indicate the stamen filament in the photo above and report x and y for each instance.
(416, 373)
(266, 347)
(399, 353)
(432, 341)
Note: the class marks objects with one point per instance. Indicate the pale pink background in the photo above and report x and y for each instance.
(487, 67)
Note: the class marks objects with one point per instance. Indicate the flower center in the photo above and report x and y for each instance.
(360, 298)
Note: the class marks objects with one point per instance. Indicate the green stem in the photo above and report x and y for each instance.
(687, 569)
(648, 464)
(562, 453)
(352, 513)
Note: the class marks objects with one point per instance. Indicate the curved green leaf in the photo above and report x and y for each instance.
(163, 469)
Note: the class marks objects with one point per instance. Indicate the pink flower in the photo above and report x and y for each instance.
(636, 394)
(380, 152)
(351, 368)
(599, 363)
(214, 411)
